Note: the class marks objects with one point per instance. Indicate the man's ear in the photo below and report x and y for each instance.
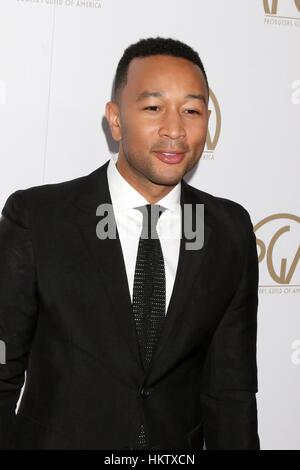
(112, 115)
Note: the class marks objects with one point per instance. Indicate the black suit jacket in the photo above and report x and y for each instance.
(66, 319)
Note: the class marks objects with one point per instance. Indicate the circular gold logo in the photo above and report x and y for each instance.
(273, 229)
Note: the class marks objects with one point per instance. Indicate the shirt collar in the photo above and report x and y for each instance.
(124, 196)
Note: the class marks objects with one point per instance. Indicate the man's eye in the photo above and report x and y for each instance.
(152, 108)
(193, 111)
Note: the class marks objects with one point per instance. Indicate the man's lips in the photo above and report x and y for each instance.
(170, 156)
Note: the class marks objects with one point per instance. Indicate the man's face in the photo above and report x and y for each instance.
(161, 120)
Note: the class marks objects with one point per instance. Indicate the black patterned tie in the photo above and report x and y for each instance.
(149, 291)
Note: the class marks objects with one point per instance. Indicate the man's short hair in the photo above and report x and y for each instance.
(148, 47)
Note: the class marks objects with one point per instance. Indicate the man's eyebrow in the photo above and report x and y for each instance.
(147, 94)
(197, 97)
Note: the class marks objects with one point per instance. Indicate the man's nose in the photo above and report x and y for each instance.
(172, 126)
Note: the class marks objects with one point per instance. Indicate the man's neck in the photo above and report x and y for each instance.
(150, 191)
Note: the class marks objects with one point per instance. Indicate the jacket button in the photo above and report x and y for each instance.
(144, 392)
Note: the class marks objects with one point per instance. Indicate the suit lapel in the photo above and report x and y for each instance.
(108, 259)
(107, 256)
(189, 263)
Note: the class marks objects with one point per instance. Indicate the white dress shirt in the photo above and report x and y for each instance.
(129, 224)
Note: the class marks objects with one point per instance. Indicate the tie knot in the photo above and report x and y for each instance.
(151, 214)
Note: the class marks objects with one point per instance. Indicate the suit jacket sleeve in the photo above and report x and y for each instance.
(228, 395)
(18, 308)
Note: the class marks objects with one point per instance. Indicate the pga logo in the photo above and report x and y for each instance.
(271, 6)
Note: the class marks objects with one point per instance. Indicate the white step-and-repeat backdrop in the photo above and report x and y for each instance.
(57, 62)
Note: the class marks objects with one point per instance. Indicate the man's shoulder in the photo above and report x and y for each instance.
(221, 210)
(51, 191)
(66, 186)
(40, 198)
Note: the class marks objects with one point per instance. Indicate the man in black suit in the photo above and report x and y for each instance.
(74, 302)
